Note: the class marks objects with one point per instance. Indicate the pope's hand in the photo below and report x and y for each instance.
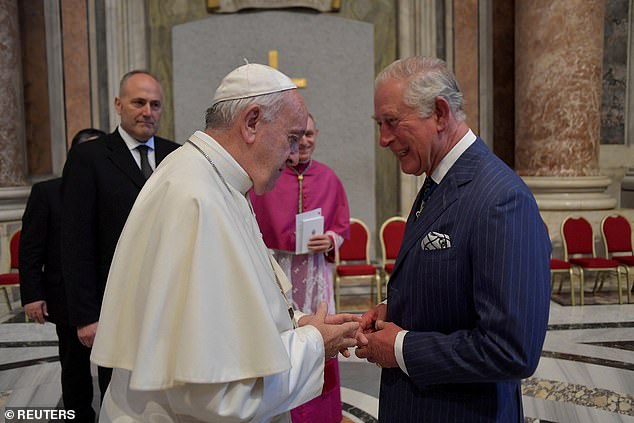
(338, 331)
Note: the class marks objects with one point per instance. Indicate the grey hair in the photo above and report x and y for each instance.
(427, 78)
(221, 115)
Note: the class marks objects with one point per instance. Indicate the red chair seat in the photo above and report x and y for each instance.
(389, 267)
(557, 264)
(9, 279)
(627, 260)
(356, 269)
(594, 262)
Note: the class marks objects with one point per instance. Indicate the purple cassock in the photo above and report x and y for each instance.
(310, 274)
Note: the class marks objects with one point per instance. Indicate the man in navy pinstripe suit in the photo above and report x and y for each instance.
(468, 299)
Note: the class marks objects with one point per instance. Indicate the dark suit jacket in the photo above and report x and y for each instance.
(40, 266)
(101, 180)
(477, 312)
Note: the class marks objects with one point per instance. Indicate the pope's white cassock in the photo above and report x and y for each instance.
(193, 321)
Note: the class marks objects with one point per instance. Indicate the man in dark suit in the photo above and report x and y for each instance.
(101, 180)
(468, 299)
(42, 288)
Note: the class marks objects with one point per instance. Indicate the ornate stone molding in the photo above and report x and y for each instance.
(12, 203)
(574, 193)
(126, 44)
(627, 189)
(56, 100)
(416, 36)
(232, 6)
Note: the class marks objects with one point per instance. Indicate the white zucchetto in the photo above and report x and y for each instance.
(251, 80)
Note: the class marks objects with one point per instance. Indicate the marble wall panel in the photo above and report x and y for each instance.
(504, 80)
(558, 62)
(76, 66)
(382, 14)
(466, 57)
(36, 105)
(12, 156)
(615, 72)
(164, 14)
(333, 54)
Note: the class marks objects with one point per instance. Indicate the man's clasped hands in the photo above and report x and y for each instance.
(370, 333)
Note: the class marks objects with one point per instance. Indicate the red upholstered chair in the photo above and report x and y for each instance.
(557, 268)
(352, 261)
(617, 240)
(560, 267)
(12, 279)
(578, 239)
(391, 237)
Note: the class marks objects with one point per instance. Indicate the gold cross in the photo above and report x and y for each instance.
(300, 82)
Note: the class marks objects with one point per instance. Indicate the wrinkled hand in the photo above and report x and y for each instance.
(319, 243)
(370, 317)
(338, 331)
(378, 346)
(86, 334)
(37, 311)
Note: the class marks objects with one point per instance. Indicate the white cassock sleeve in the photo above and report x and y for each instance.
(259, 399)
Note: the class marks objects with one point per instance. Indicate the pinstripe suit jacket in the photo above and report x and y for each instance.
(477, 311)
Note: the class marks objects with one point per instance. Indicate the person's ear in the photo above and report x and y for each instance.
(251, 119)
(442, 112)
(117, 105)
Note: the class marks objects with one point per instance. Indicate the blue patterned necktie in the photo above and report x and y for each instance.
(427, 189)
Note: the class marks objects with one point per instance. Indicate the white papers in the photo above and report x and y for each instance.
(307, 224)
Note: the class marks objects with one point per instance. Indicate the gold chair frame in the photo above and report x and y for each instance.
(375, 280)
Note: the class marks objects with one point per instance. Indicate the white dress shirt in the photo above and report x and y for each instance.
(437, 176)
(133, 144)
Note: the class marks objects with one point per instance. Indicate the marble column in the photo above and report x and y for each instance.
(12, 150)
(558, 59)
(417, 20)
(126, 40)
(13, 191)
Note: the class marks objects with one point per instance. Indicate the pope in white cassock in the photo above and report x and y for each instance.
(195, 320)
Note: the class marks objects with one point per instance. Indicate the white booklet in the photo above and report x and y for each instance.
(307, 224)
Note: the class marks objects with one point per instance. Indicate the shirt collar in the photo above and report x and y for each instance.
(228, 167)
(133, 143)
(452, 157)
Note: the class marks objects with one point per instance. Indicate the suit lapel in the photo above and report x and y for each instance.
(160, 150)
(122, 158)
(444, 195)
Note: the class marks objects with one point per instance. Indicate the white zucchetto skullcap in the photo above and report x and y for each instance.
(251, 80)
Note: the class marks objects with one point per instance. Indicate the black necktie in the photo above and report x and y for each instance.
(426, 189)
(146, 169)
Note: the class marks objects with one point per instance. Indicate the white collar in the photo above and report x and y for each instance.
(452, 157)
(131, 142)
(228, 167)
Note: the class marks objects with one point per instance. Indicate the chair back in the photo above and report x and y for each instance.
(357, 247)
(577, 236)
(391, 236)
(617, 235)
(14, 248)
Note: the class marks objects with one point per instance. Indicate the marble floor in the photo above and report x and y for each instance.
(586, 373)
